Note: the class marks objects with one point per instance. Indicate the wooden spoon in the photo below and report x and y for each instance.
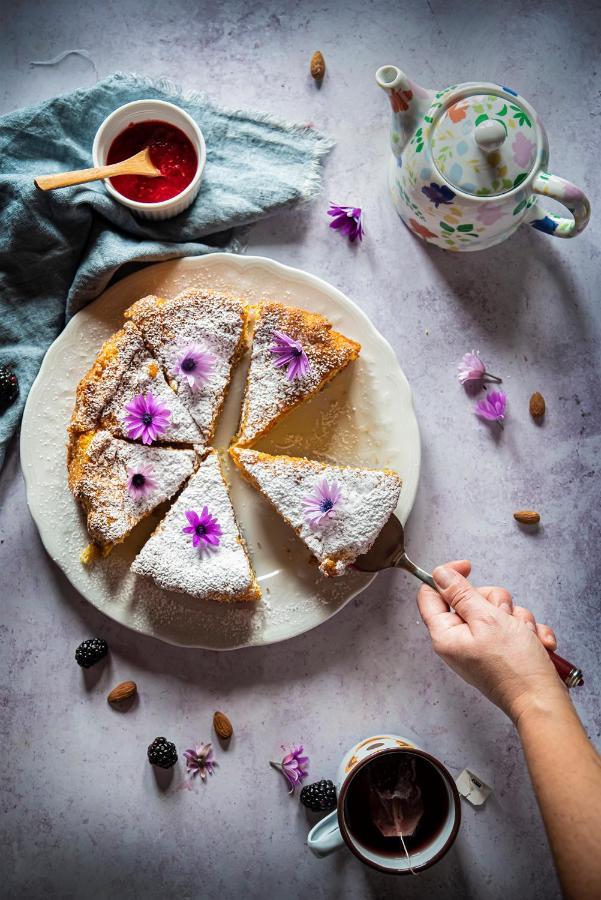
(140, 164)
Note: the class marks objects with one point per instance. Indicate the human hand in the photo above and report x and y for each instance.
(492, 644)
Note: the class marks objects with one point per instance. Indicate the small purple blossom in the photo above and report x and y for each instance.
(294, 766)
(347, 220)
(439, 193)
(289, 353)
(323, 503)
(471, 368)
(194, 365)
(204, 528)
(140, 481)
(146, 418)
(492, 407)
(199, 761)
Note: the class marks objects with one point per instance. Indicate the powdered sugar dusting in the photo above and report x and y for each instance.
(123, 369)
(368, 499)
(269, 393)
(102, 483)
(223, 573)
(213, 321)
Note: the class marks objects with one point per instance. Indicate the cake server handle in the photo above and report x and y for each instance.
(570, 674)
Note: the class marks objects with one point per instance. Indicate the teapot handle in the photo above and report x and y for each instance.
(572, 198)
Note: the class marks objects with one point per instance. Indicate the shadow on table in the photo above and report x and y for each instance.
(492, 285)
(445, 879)
(337, 640)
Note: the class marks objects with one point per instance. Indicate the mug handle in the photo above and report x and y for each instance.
(572, 198)
(325, 837)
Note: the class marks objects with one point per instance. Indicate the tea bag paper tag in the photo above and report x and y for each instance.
(473, 788)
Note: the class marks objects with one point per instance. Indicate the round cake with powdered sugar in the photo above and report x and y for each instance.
(145, 416)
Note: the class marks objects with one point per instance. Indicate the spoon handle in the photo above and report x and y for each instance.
(78, 176)
(570, 674)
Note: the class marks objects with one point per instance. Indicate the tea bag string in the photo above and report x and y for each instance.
(408, 855)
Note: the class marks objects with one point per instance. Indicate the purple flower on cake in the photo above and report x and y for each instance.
(323, 503)
(194, 365)
(199, 760)
(294, 766)
(471, 368)
(347, 220)
(289, 353)
(146, 418)
(492, 407)
(140, 481)
(204, 528)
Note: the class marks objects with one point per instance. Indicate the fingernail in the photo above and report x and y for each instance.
(506, 607)
(443, 576)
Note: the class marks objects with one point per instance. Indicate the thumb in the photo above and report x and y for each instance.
(460, 594)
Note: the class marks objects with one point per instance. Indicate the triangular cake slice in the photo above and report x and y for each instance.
(102, 476)
(123, 370)
(273, 387)
(338, 511)
(218, 571)
(211, 323)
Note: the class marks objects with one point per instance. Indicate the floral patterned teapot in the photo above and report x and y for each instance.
(469, 163)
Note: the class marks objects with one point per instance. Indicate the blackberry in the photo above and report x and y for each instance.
(162, 753)
(91, 652)
(9, 387)
(319, 797)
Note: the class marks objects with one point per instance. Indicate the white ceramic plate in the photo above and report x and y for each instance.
(364, 417)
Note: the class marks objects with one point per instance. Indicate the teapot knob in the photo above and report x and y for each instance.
(489, 135)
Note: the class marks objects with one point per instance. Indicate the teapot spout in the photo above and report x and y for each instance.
(409, 103)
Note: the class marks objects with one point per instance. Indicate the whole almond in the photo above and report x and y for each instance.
(123, 691)
(318, 65)
(527, 517)
(537, 405)
(222, 726)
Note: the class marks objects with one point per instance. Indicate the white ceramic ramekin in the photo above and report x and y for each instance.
(143, 111)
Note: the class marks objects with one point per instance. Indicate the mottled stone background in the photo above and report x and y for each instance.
(83, 813)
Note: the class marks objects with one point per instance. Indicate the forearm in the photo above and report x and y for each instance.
(566, 774)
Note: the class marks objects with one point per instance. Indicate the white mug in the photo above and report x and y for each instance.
(333, 832)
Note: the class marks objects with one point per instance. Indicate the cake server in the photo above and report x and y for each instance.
(388, 552)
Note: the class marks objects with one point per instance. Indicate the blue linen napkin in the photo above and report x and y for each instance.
(59, 250)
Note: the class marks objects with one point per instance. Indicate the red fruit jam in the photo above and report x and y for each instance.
(170, 151)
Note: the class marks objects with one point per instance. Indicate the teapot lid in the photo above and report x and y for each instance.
(484, 144)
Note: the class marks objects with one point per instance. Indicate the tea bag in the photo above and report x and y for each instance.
(395, 798)
(396, 804)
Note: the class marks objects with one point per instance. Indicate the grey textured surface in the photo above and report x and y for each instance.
(82, 810)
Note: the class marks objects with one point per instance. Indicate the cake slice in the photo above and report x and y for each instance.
(197, 337)
(197, 549)
(124, 370)
(338, 511)
(294, 354)
(119, 483)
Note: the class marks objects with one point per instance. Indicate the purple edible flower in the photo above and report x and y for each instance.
(492, 407)
(140, 481)
(204, 528)
(471, 368)
(294, 766)
(289, 353)
(194, 365)
(146, 418)
(199, 760)
(347, 220)
(323, 503)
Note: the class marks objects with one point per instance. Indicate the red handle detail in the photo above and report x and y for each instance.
(569, 674)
